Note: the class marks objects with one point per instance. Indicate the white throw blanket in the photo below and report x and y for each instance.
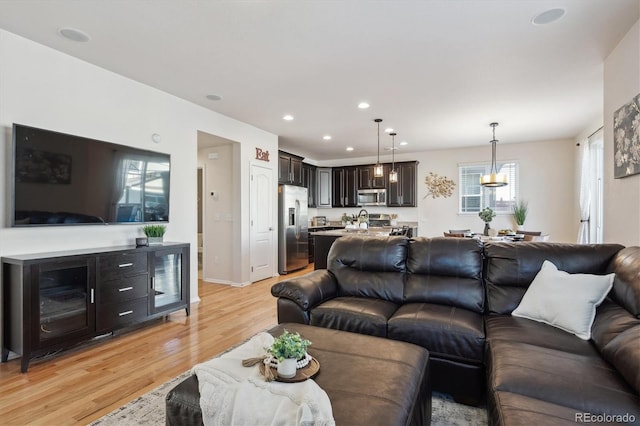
(231, 394)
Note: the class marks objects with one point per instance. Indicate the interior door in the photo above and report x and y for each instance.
(262, 225)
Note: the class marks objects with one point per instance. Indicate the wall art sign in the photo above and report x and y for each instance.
(36, 166)
(262, 155)
(626, 139)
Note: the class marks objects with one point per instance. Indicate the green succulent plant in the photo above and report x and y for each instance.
(289, 345)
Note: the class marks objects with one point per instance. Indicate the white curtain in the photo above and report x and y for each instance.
(585, 192)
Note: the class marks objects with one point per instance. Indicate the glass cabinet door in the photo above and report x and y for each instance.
(167, 279)
(64, 301)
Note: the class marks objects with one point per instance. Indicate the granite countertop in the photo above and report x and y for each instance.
(371, 232)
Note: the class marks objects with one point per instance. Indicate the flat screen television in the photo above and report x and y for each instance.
(61, 179)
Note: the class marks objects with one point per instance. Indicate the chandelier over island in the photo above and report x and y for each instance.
(378, 170)
(393, 174)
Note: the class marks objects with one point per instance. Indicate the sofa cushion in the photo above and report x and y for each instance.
(369, 266)
(507, 408)
(624, 353)
(611, 320)
(626, 286)
(446, 271)
(510, 267)
(446, 331)
(584, 383)
(563, 300)
(522, 330)
(355, 314)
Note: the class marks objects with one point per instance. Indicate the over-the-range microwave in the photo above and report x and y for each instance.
(372, 197)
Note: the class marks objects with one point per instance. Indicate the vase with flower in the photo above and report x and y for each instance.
(487, 214)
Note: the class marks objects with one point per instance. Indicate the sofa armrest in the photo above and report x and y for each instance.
(308, 290)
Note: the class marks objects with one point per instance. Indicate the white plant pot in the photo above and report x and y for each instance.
(287, 368)
(155, 241)
(520, 227)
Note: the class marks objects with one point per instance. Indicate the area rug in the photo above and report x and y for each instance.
(149, 409)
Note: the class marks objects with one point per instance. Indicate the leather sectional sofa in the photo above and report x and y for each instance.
(454, 296)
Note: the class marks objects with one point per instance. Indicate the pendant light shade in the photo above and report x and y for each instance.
(493, 179)
(393, 174)
(378, 170)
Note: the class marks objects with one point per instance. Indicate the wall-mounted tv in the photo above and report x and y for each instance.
(61, 179)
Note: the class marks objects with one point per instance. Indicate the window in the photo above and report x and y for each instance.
(474, 197)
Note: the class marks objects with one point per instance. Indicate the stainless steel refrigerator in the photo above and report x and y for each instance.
(293, 228)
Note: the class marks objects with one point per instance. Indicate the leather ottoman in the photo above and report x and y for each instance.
(369, 380)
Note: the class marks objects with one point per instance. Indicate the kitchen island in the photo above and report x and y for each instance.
(324, 240)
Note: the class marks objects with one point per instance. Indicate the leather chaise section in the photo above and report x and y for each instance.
(584, 383)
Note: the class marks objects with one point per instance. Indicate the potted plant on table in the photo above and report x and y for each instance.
(288, 349)
(154, 233)
(520, 213)
(487, 214)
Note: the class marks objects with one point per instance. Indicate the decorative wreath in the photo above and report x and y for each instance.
(438, 186)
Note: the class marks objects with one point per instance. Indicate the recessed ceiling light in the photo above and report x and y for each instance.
(390, 148)
(363, 105)
(548, 16)
(288, 117)
(74, 34)
(349, 148)
(388, 130)
(327, 137)
(214, 97)
(403, 143)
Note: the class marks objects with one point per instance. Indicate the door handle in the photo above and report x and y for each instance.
(124, 265)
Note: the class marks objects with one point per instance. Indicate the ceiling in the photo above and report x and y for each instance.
(436, 71)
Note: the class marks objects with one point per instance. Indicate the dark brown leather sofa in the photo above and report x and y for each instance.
(423, 291)
(454, 296)
(539, 374)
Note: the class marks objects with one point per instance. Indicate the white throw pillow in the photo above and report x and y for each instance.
(563, 300)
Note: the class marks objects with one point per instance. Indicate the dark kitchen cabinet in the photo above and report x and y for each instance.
(289, 169)
(324, 188)
(403, 193)
(345, 186)
(52, 301)
(309, 181)
(367, 179)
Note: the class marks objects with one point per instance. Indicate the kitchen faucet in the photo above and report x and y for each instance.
(365, 216)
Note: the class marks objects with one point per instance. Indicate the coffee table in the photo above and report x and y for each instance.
(369, 380)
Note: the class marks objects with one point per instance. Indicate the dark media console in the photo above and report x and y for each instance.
(55, 300)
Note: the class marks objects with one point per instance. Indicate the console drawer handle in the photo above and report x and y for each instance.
(124, 265)
(125, 289)
(121, 314)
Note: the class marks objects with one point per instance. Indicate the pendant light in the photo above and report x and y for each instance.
(378, 170)
(393, 174)
(493, 179)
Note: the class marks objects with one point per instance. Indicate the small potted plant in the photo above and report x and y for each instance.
(520, 213)
(487, 214)
(154, 234)
(288, 349)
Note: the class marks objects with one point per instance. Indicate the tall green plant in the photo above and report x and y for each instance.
(154, 230)
(520, 212)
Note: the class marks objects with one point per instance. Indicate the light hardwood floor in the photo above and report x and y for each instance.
(80, 385)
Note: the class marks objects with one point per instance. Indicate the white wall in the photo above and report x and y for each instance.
(45, 88)
(547, 182)
(621, 196)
